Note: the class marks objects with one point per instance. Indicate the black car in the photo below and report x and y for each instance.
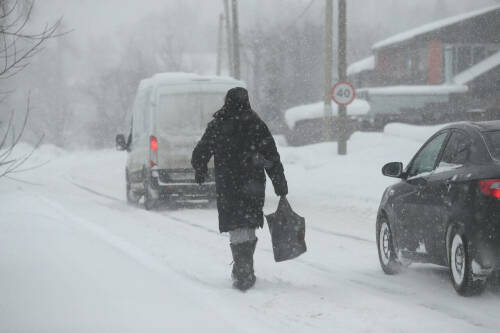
(446, 208)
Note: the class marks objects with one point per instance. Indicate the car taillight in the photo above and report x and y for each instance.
(490, 187)
(153, 143)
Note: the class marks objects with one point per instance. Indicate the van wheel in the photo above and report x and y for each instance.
(132, 197)
(150, 202)
(386, 254)
(460, 265)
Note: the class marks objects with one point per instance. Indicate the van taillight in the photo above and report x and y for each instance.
(490, 187)
(153, 143)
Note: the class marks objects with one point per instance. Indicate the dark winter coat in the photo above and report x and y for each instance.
(243, 148)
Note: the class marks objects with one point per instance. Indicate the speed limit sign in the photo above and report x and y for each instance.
(343, 93)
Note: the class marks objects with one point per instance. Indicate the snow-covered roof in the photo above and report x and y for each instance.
(358, 107)
(479, 69)
(417, 90)
(433, 26)
(182, 78)
(366, 64)
(146, 83)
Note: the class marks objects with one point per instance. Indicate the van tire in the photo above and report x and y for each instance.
(150, 203)
(132, 197)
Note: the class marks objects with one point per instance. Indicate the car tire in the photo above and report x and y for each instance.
(386, 253)
(460, 265)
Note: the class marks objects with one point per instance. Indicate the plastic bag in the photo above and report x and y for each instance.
(288, 231)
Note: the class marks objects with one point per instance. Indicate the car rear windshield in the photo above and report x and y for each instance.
(187, 113)
(493, 142)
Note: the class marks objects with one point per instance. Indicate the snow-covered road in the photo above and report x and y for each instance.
(74, 257)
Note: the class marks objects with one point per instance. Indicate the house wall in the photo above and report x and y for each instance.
(421, 61)
(483, 94)
(415, 63)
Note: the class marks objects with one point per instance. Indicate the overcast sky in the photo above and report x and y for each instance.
(91, 18)
(96, 18)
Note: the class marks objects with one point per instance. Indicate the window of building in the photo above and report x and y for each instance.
(464, 58)
(478, 54)
(468, 55)
(492, 49)
(419, 65)
(422, 61)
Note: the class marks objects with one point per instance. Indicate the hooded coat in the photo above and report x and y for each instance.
(243, 150)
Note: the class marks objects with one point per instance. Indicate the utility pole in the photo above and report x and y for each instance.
(342, 70)
(236, 41)
(219, 44)
(229, 34)
(327, 123)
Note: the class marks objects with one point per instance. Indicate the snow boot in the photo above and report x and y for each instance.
(243, 274)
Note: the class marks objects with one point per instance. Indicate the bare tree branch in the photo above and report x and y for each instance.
(17, 47)
(12, 27)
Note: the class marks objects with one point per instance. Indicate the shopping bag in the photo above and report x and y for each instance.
(288, 231)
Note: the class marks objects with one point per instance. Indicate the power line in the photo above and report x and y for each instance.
(306, 9)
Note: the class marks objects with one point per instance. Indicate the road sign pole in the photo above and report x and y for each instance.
(236, 41)
(219, 44)
(327, 123)
(342, 117)
(229, 37)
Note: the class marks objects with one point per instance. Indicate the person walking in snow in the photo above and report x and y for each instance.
(243, 148)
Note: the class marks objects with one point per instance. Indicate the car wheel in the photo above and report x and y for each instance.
(150, 201)
(386, 254)
(460, 265)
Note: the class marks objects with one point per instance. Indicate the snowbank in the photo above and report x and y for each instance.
(186, 78)
(318, 176)
(366, 64)
(411, 132)
(417, 90)
(357, 108)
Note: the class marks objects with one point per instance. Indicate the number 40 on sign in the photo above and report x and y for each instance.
(343, 93)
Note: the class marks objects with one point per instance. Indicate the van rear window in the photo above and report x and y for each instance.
(493, 142)
(187, 113)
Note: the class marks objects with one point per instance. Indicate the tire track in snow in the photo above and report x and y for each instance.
(102, 195)
(319, 267)
(316, 266)
(372, 287)
(339, 234)
(88, 189)
(195, 225)
(322, 268)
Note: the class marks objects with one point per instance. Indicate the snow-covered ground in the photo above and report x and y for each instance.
(75, 258)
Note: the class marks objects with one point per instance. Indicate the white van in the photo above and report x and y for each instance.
(170, 114)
